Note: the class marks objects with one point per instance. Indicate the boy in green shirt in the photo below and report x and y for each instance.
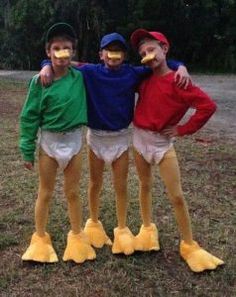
(58, 111)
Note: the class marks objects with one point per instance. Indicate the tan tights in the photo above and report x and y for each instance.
(120, 173)
(47, 175)
(170, 174)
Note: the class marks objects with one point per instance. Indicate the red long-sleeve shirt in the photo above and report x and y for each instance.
(161, 103)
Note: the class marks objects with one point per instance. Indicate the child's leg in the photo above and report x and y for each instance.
(147, 238)
(93, 227)
(123, 238)
(120, 174)
(96, 168)
(144, 171)
(47, 176)
(40, 248)
(170, 174)
(197, 258)
(78, 247)
(72, 175)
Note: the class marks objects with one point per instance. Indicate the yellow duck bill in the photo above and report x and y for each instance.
(62, 54)
(114, 55)
(148, 58)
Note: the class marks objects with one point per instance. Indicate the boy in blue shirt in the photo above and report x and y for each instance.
(110, 89)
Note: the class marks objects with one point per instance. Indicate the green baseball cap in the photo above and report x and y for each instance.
(60, 28)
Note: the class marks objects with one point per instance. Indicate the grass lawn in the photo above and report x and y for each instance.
(208, 177)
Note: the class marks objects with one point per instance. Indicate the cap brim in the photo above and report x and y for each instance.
(122, 44)
(137, 36)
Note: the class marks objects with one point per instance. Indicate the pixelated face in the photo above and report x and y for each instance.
(152, 52)
(61, 52)
(113, 55)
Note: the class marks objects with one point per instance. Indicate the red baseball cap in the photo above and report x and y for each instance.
(140, 34)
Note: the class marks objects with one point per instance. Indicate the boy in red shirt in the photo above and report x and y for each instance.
(160, 108)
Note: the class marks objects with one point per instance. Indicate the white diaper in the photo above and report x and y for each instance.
(61, 146)
(151, 145)
(108, 145)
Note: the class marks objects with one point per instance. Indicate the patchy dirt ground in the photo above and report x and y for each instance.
(222, 88)
(15, 74)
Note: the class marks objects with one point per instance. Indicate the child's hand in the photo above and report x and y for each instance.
(29, 165)
(75, 63)
(182, 77)
(170, 131)
(46, 75)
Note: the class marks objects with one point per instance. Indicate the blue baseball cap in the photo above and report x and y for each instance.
(112, 37)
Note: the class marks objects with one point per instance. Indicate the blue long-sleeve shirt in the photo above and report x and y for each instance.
(111, 93)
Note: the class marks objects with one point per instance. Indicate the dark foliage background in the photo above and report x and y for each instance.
(202, 33)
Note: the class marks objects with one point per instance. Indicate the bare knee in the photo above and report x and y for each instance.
(177, 201)
(121, 190)
(120, 185)
(45, 195)
(72, 194)
(145, 186)
(95, 185)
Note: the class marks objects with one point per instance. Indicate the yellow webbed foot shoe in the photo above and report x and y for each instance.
(96, 234)
(123, 241)
(147, 239)
(40, 250)
(78, 248)
(197, 258)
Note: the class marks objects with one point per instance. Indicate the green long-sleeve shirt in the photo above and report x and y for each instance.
(59, 108)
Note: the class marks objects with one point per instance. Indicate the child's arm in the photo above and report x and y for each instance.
(29, 124)
(46, 73)
(77, 64)
(195, 98)
(203, 105)
(182, 77)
